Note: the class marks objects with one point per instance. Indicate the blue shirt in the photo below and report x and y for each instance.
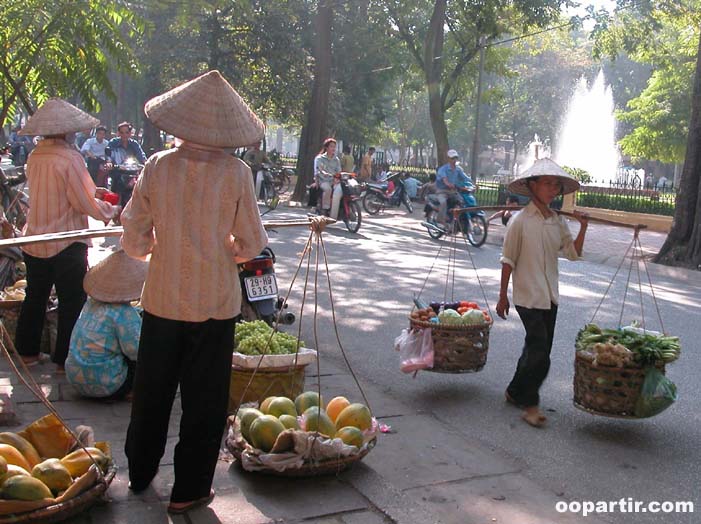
(412, 187)
(119, 153)
(456, 176)
(104, 336)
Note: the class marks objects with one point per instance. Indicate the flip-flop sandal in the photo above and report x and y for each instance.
(537, 421)
(204, 501)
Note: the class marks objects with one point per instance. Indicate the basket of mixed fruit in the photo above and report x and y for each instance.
(460, 333)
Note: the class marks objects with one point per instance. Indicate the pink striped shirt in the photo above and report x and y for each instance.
(61, 196)
(194, 209)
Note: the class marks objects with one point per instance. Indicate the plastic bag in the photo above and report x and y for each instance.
(656, 395)
(415, 350)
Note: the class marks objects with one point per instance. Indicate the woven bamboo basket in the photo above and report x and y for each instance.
(308, 469)
(9, 313)
(606, 390)
(64, 510)
(287, 381)
(457, 348)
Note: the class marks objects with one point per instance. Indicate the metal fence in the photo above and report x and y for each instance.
(632, 197)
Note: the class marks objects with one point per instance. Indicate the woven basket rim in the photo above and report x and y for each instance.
(308, 468)
(452, 327)
(279, 369)
(53, 513)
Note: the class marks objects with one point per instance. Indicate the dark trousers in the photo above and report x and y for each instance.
(197, 357)
(64, 270)
(534, 364)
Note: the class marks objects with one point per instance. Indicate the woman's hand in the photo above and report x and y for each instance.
(100, 192)
(582, 218)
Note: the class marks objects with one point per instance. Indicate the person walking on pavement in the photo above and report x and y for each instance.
(366, 166)
(199, 202)
(62, 196)
(533, 240)
(347, 161)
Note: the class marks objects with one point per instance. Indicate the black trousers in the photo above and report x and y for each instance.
(197, 357)
(66, 271)
(534, 364)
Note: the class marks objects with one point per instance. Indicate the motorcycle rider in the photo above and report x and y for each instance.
(93, 150)
(123, 147)
(326, 167)
(449, 178)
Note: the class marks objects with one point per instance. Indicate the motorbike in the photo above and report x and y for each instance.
(349, 208)
(376, 197)
(123, 177)
(472, 223)
(282, 178)
(260, 298)
(268, 188)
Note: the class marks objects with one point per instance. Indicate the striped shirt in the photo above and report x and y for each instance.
(61, 195)
(194, 210)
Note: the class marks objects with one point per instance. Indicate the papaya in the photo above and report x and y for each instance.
(289, 421)
(22, 445)
(24, 488)
(78, 462)
(246, 417)
(316, 419)
(282, 406)
(335, 406)
(350, 436)
(264, 432)
(306, 400)
(12, 455)
(3, 466)
(105, 448)
(13, 471)
(54, 474)
(356, 415)
(264, 405)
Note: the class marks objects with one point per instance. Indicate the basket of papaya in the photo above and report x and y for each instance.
(47, 476)
(266, 363)
(301, 438)
(460, 333)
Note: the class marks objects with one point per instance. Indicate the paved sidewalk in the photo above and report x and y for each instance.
(421, 472)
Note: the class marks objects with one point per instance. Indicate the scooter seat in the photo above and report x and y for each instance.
(382, 187)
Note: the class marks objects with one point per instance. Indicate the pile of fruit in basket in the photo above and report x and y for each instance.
(258, 338)
(451, 313)
(44, 461)
(629, 346)
(341, 419)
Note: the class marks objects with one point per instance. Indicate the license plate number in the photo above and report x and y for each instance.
(261, 288)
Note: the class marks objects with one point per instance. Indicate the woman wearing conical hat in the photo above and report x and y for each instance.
(102, 357)
(534, 239)
(194, 211)
(61, 197)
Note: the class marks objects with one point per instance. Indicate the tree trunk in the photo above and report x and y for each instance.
(433, 70)
(683, 244)
(315, 126)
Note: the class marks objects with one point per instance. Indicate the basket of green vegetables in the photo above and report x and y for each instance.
(612, 365)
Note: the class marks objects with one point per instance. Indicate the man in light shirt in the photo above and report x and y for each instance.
(199, 202)
(94, 151)
(534, 239)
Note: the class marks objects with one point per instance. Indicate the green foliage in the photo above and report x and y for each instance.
(62, 48)
(635, 202)
(580, 174)
(663, 35)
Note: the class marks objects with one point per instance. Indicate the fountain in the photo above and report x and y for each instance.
(587, 137)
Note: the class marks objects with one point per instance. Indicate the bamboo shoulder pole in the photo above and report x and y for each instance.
(82, 234)
(564, 213)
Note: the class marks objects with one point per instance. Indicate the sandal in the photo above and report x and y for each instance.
(179, 510)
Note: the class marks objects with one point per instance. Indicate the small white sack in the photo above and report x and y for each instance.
(304, 357)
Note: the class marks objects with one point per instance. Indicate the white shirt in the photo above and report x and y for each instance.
(531, 247)
(95, 147)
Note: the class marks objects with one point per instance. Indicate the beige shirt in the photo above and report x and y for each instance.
(194, 210)
(366, 167)
(61, 196)
(531, 247)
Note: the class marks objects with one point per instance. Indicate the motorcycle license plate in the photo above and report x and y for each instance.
(261, 288)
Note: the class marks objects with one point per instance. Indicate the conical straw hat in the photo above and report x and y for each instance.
(543, 167)
(117, 278)
(207, 111)
(58, 117)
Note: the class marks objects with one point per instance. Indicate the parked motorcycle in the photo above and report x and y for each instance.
(260, 298)
(268, 188)
(376, 197)
(472, 223)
